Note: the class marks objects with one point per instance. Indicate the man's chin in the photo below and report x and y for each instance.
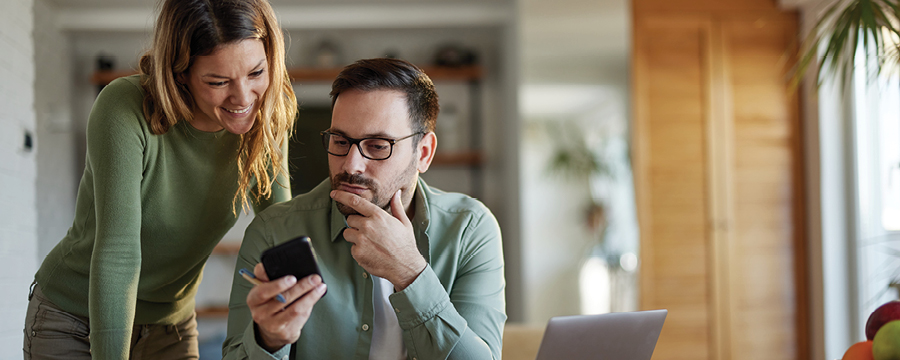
(346, 210)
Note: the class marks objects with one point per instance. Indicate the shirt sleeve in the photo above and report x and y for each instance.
(240, 341)
(115, 144)
(467, 322)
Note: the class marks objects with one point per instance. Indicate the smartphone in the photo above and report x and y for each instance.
(295, 257)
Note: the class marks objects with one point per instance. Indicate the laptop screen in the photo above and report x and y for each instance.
(626, 335)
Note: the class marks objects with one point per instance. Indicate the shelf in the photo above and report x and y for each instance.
(212, 311)
(103, 77)
(462, 73)
(226, 249)
(460, 158)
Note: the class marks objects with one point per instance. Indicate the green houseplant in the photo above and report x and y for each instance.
(845, 25)
(575, 159)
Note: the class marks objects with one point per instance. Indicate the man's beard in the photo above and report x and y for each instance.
(379, 198)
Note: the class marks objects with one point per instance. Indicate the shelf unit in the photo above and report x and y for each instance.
(457, 73)
(471, 74)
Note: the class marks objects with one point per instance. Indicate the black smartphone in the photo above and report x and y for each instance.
(295, 257)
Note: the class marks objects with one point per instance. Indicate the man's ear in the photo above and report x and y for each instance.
(427, 146)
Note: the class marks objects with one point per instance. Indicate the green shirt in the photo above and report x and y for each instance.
(454, 309)
(150, 209)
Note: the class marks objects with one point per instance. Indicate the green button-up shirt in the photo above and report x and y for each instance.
(455, 309)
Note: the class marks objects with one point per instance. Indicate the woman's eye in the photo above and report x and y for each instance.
(218, 83)
(257, 72)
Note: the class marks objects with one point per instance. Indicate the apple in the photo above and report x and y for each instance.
(882, 315)
(886, 345)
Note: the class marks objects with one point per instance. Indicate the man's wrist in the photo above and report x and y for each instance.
(414, 273)
(264, 342)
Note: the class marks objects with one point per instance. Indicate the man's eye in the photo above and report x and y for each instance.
(378, 147)
(340, 142)
(218, 83)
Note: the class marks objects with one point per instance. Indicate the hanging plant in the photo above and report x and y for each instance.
(572, 156)
(575, 159)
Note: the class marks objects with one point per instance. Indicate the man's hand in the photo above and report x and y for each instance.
(280, 324)
(384, 244)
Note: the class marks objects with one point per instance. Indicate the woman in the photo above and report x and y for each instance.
(172, 153)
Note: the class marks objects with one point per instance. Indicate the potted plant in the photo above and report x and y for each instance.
(842, 28)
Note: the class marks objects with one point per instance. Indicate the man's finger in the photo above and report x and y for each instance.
(397, 207)
(260, 272)
(304, 305)
(303, 286)
(363, 206)
(267, 291)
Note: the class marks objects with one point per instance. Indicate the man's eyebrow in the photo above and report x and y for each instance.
(380, 135)
(258, 65)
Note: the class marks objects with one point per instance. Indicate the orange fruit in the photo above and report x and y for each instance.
(859, 351)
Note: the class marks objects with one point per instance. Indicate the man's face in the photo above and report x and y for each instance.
(365, 114)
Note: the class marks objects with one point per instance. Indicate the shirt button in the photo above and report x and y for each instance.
(285, 357)
(365, 327)
(365, 276)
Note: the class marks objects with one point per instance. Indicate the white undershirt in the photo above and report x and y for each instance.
(387, 337)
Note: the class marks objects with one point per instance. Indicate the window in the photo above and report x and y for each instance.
(877, 170)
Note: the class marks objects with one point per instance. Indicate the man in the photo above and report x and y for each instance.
(411, 271)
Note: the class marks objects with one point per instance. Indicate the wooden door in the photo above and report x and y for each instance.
(716, 138)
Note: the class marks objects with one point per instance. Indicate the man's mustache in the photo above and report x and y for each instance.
(355, 179)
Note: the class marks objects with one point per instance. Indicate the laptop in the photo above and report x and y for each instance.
(613, 336)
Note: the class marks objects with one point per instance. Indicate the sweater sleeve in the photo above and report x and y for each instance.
(115, 146)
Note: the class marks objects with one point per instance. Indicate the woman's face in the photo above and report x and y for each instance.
(228, 86)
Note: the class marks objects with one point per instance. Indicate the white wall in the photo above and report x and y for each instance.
(56, 160)
(575, 56)
(18, 225)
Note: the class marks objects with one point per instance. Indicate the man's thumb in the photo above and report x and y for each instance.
(397, 207)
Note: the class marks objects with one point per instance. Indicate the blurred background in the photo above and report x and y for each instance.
(638, 154)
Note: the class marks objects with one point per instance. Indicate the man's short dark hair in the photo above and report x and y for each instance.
(393, 74)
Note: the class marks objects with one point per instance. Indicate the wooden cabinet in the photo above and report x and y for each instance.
(718, 181)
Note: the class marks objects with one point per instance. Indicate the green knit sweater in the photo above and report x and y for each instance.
(150, 209)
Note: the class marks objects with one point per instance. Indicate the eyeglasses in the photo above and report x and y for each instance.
(369, 148)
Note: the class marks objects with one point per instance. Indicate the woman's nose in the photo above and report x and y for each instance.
(241, 93)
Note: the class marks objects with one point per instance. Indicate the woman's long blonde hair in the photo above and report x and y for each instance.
(189, 28)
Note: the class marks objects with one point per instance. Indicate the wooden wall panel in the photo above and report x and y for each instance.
(717, 149)
(764, 292)
(704, 5)
(673, 81)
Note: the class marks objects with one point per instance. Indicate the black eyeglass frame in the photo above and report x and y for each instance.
(326, 135)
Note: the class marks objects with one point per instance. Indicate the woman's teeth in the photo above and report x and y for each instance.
(239, 111)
